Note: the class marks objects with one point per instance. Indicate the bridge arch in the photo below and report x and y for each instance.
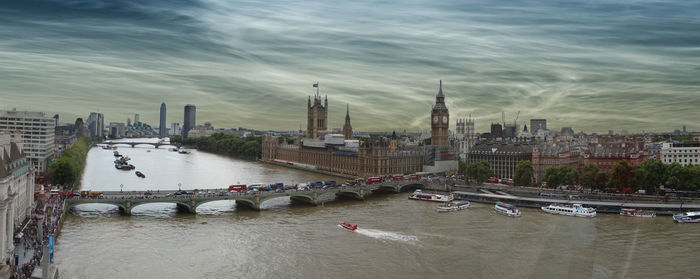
(410, 186)
(121, 207)
(182, 207)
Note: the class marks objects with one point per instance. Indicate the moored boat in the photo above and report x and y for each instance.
(182, 151)
(570, 210)
(420, 195)
(347, 226)
(507, 209)
(632, 212)
(687, 217)
(453, 206)
(140, 174)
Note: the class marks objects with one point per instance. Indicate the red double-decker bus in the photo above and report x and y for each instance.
(237, 188)
(397, 177)
(373, 180)
(414, 176)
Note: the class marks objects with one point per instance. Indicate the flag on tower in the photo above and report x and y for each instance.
(316, 84)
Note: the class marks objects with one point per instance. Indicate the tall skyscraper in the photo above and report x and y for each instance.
(190, 119)
(136, 118)
(96, 124)
(440, 121)
(162, 129)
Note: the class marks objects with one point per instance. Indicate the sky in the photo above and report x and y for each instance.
(592, 65)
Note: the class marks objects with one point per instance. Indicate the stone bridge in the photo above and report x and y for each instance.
(134, 143)
(189, 203)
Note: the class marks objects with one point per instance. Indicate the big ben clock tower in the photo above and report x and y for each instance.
(440, 120)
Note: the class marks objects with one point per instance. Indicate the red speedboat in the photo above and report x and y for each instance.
(347, 226)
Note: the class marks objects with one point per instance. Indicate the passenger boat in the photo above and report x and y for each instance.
(453, 206)
(106, 147)
(687, 217)
(116, 154)
(637, 212)
(140, 174)
(507, 209)
(570, 210)
(419, 195)
(183, 152)
(347, 226)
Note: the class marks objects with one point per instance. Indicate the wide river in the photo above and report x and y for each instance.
(397, 238)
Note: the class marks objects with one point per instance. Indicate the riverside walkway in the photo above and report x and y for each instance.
(189, 202)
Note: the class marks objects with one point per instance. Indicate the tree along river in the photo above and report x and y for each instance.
(397, 237)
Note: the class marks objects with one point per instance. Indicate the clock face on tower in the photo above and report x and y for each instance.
(444, 120)
(435, 119)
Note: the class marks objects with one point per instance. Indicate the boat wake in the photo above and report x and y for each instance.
(379, 234)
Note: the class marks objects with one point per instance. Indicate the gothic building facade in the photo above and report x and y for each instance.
(341, 153)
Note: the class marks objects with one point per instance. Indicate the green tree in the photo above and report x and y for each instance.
(462, 167)
(653, 175)
(68, 169)
(622, 175)
(601, 180)
(479, 171)
(564, 175)
(589, 174)
(524, 172)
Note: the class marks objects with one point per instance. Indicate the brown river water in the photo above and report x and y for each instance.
(397, 237)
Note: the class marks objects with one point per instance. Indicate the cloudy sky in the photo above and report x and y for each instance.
(593, 65)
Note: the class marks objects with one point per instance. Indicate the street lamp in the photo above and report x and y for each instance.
(122, 186)
(179, 187)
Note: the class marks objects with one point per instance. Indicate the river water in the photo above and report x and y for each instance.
(397, 237)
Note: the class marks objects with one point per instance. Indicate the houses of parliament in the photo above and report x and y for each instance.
(342, 153)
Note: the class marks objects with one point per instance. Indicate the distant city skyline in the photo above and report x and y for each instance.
(593, 66)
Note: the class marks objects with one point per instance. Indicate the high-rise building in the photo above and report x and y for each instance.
(34, 132)
(137, 118)
(162, 129)
(347, 128)
(190, 119)
(96, 124)
(317, 116)
(496, 130)
(440, 120)
(175, 129)
(79, 127)
(537, 124)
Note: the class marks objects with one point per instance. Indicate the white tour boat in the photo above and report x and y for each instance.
(507, 209)
(419, 195)
(687, 217)
(570, 210)
(453, 206)
(632, 212)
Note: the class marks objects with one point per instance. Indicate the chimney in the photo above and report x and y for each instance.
(624, 139)
(539, 140)
(600, 140)
(634, 138)
(554, 140)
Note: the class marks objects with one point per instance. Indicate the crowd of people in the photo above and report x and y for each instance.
(47, 218)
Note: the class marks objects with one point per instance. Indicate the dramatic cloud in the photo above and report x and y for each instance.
(592, 65)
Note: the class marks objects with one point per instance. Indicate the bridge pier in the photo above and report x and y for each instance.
(126, 210)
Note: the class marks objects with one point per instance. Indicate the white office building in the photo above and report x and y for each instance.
(34, 132)
(682, 153)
